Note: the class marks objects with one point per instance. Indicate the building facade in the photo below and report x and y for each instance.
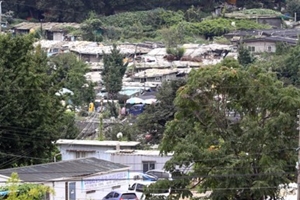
(140, 161)
(79, 179)
(73, 149)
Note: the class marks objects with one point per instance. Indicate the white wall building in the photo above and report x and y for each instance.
(139, 160)
(79, 179)
(72, 149)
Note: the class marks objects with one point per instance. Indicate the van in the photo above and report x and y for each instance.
(139, 188)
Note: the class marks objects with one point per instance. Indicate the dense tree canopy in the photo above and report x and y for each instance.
(153, 120)
(32, 116)
(70, 72)
(237, 128)
(77, 10)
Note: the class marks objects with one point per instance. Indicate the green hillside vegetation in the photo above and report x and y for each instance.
(249, 13)
(163, 25)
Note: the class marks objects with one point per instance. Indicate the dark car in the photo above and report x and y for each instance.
(119, 195)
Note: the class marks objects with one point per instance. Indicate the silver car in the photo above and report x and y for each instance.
(118, 195)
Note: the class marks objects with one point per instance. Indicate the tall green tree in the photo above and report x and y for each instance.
(154, 118)
(290, 69)
(237, 128)
(92, 28)
(31, 114)
(113, 71)
(245, 57)
(70, 72)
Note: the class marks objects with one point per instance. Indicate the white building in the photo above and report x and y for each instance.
(72, 149)
(122, 152)
(79, 179)
(139, 160)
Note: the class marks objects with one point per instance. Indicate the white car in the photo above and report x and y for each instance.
(121, 195)
(139, 187)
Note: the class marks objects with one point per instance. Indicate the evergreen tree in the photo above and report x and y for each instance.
(113, 71)
(31, 113)
(245, 57)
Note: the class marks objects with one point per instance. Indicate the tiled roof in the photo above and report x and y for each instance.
(63, 169)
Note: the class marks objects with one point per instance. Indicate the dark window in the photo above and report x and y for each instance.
(132, 187)
(128, 196)
(116, 195)
(148, 166)
(140, 187)
(269, 48)
(110, 195)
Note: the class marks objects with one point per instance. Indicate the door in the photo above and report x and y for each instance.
(72, 191)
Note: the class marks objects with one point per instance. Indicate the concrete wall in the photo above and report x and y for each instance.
(261, 46)
(68, 152)
(58, 36)
(135, 162)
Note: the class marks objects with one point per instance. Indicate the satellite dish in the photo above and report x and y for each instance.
(119, 135)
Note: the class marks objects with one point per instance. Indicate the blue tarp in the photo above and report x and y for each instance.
(3, 193)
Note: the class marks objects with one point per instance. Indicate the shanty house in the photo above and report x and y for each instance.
(267, 44)
(50, 30)
(155, 75)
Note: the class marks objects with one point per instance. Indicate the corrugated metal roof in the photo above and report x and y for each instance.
(62, 169)
(52, 26)
(154, 73)
(97, 143)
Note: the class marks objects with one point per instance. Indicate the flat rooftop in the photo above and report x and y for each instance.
(97, 143)
(137, 152)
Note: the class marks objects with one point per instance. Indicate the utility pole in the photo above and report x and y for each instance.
(0, 17)
(298, 163)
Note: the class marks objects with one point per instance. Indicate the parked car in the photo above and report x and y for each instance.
(139, 188)
(159, 174)
(120, 195)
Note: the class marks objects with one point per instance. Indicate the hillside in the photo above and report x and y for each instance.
(77, 10)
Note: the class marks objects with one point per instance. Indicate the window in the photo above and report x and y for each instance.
(132, 187)
(116, 195)
(157, 78)
(251, 48)
(80, 154)
(148, 166)
(140, 187)
(109, 195)
(269, 48)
